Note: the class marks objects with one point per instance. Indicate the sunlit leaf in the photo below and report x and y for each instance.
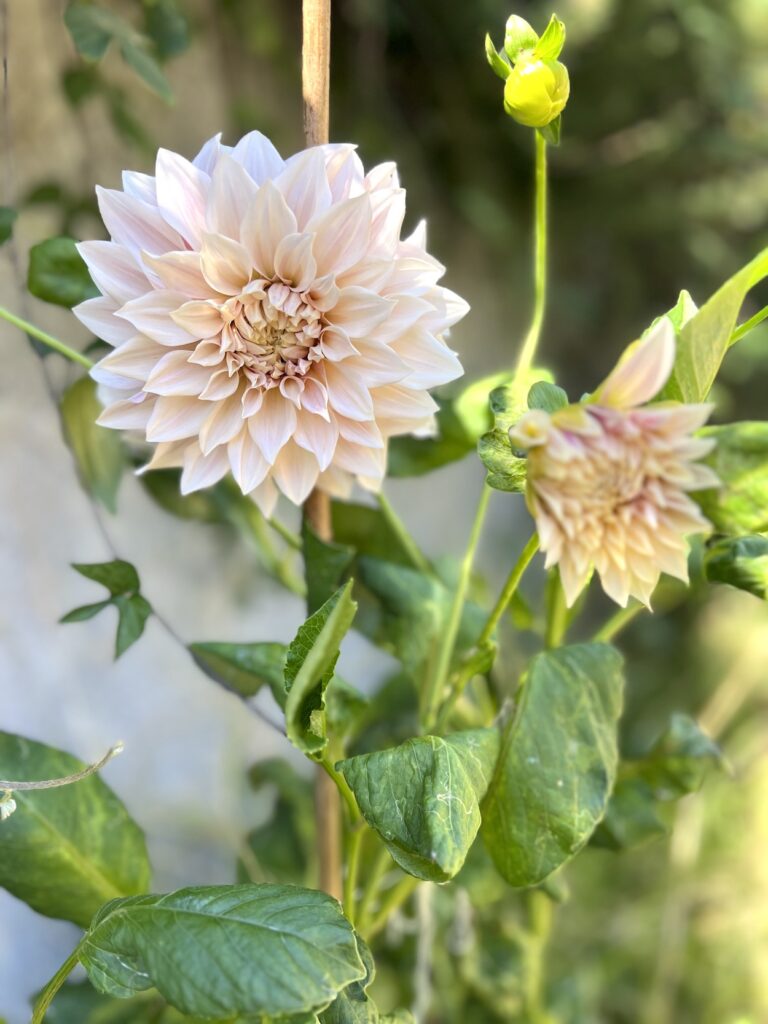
(58, 274)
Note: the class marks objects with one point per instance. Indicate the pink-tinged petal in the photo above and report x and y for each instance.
(359, 432)
(129, 414)
(382, 176)
(248, 465)
(360, 460)
(295, 472)
(141, 186)
(114, 270)
(174, 419)
(268, 220)
(345, 172)
(133, 360)
(373, 274)
(221, 385)
(265, 497)
(430, 360)
(359, 311)
(252, 401)
(199, 319)
(335, 345)
(182, 189)
(258, 156)
(151, 315)
(314, 397)
(98, 315)
(414, 271)
(324, 293)
(408, 310)
(348, 393)
(294, 262)
(395, 402)
(642, 371)
(175, 375)
(342, 234)
(135, 224)
(180, 272)
(165, 456)
(208, 156)
(449, 308)
(379, 364)
(202, 470)
(418, 237)
(336, 482)
(317, 436)
(304, 184)
(388, 214)
(226, 264)
(273, 424)
(231, 194)
(223, 422)
(573, 581)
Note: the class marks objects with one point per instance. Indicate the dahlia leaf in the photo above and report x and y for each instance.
(146, 67)
(167, 27)
(122, 581)
(352, 1005)
(243, 668)
(558, 762)
(506, 471)
(7, 217)
(66, 851)
(741, 562)
(98, 452)
(216, 951)
(325, 563)
(283, 848)
(58, 274)
(369, 532)
(423, 798)
(133, 613)
(740, 460)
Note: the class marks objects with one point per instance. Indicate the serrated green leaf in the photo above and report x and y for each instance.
(137, 56)
(310, 662)
(98, 451)
(7, 217)
(222, 950)
(423, 798)
(66, 851)
(353, 1005)
(741, 562)
(133, 613)
(325, 563)
(506, 470)
(58, 274)
(740, 460)
(705, 338)
(243, 668)
(558, 762)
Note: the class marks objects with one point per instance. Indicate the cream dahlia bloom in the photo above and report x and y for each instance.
(608, 479)
(266, 318)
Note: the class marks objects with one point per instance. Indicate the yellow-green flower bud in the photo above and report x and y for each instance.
(519, 38)
(536, 91)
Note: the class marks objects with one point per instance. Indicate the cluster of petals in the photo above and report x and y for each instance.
(608, 479)
(266, 317)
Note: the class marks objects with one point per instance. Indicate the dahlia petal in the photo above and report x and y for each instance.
(135, 224)
(430, 360)
(181, 194)
(573, 580)
(272, 425)
(129, 414)
(249, 467)
(133, 360)
(175, 375)
(336, 482)
(414, 270)
(342, 234)
(114, 270)
(379, 364)
(395, 402)
(268, 220)
(221, 385)
(151, 314)
(231, 194)
(345, 172)
(408, 310)
(347, 393)
(418, 237)
(388, 216)
(361, 460)
(317, 436)
(294, 262)
(364, 432)
(180, 272)
(642, 371)
(165, 456)
(202, 470)
(98, 315)
(295, 472)
(335, 345)
(174, 419)
(199, 319)
(359, 311)
(142, 186)
(314, 397)
(449, 308)
(258, 156)
(226, 264)
(304, 184)
(373, 274)
(382, 176)
(223, 422)
(265, 497)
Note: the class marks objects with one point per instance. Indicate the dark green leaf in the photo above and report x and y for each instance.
(57, 273)
(167, 27)
(98, 451)
(85, 611)
(309, 665)
(119, 577)
(352, 1005)
(632, 817)
(398, 1017)
(506, 470)
(7, 217)
(66, 851)
(368, 531)
(740, 460)
(222, 950)
(345, 708)
(137, 55)
(740, 561)
(325, 563)
(547, 396)
(164, 486)
(122, 581)
(133, 613)
(423, 798)
(92, 29)
(558, 762)
(243, 668)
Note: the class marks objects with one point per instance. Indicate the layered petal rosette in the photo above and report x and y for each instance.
(608, 479)
(266, 317)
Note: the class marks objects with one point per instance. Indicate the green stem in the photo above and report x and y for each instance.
(293, 540)
(346, 793)
(438, 675)
(371, 890)
(396, 896)
(399, 528)
(47, 339)
(557, 613)
(528, 351)
(49, 992)
(617, 622)
(748, 325)
(354, 847)
(539, 930)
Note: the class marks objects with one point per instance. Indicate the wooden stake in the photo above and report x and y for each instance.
(315, 79)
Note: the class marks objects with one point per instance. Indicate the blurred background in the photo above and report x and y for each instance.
(661, 183)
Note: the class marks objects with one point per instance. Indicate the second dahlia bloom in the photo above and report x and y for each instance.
(608, 479)
(266, 317)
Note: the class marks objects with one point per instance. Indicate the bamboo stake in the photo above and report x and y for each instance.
(315, 78)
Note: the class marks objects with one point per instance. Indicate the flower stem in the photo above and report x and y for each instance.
(379, 869)
(510, 588)
(342, 786)
(528, 351)
(399, 528)
(617, 622)
(557, 613)
(396, 896)
(47, 339)
(748, 325)
(354, 847)
(539, 930)
(436, 679)
(49, 992)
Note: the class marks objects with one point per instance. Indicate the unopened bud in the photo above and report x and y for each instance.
(519, 38)
(536, 92)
